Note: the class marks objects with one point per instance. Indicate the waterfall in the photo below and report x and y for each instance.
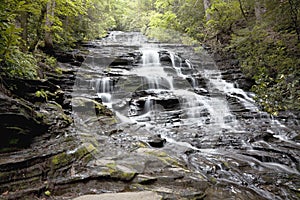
(216, 81)
(148, 104)
(215, 127)
(158, 82)
(104, 89)
(153, 82)
(176, 64)
(104, 85)
(156, 77)
(150, 57)
(189, 64)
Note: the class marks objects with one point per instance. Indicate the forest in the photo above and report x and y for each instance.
(264, 35)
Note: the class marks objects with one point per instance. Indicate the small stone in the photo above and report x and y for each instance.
(157, 141)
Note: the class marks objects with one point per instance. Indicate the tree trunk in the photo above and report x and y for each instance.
(48, 24)
(207, 5)
(294, 16)
(242, 10)
(259, 10)
(38, 29)
(23, 23)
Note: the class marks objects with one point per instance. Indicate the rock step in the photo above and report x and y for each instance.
(147, 195)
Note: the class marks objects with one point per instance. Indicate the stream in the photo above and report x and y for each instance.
(173, 98)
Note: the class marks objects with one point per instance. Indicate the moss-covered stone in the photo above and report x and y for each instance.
(89, 106)
(66, 158)
(120, 172)
(163, 156)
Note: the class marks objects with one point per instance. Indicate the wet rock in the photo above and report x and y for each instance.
(44, 170)
(27, 88)
(156, 141)
(70, 57)
(144, 179)
(223, 192)
(53, 114)
(89, 106)
(67, 158)
(122, 61)
(297, 137)
(267, 136)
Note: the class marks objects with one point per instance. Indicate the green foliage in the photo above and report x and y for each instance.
(224, 15)
(264, 36)
(21, 65)
(27, 25)
(267, 58)
(14, 62)
(50, 61)
(42, 94)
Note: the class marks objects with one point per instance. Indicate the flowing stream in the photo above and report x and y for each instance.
(178, 94)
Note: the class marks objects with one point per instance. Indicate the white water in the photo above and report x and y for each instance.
(216, 82)
(103, 85)
(150, 57)
(104, 89)
(176, 59)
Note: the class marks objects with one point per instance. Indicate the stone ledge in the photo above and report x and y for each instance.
(146, 195)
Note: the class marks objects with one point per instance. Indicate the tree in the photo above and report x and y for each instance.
(207, 6)
(50, 8)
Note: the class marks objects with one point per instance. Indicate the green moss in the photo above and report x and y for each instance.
(111, 165)
(213, 180)
(298, 193)
(58, 70)
(164, 157)
(61, 159)
(226, 164)
(119, 172)
(157, 153)
(82, 153)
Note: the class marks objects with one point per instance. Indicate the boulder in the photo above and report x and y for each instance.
(89, 106)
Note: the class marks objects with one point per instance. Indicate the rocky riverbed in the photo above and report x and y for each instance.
(136, 116)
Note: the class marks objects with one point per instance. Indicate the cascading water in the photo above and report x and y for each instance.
(217, 128)
(176, 64)
(150, 57)
(104, 89)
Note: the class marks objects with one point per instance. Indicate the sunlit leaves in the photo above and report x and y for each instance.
(223, 15)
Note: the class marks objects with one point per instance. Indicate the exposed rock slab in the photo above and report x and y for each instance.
(147, 195)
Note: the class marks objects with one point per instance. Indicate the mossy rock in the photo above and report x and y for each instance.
(90, 106)
(163, 157)
(120, 172)
(84, 152)
(52, 113)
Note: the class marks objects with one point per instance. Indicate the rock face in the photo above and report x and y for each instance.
(36, 144)
(137, 119)
(20, 122)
